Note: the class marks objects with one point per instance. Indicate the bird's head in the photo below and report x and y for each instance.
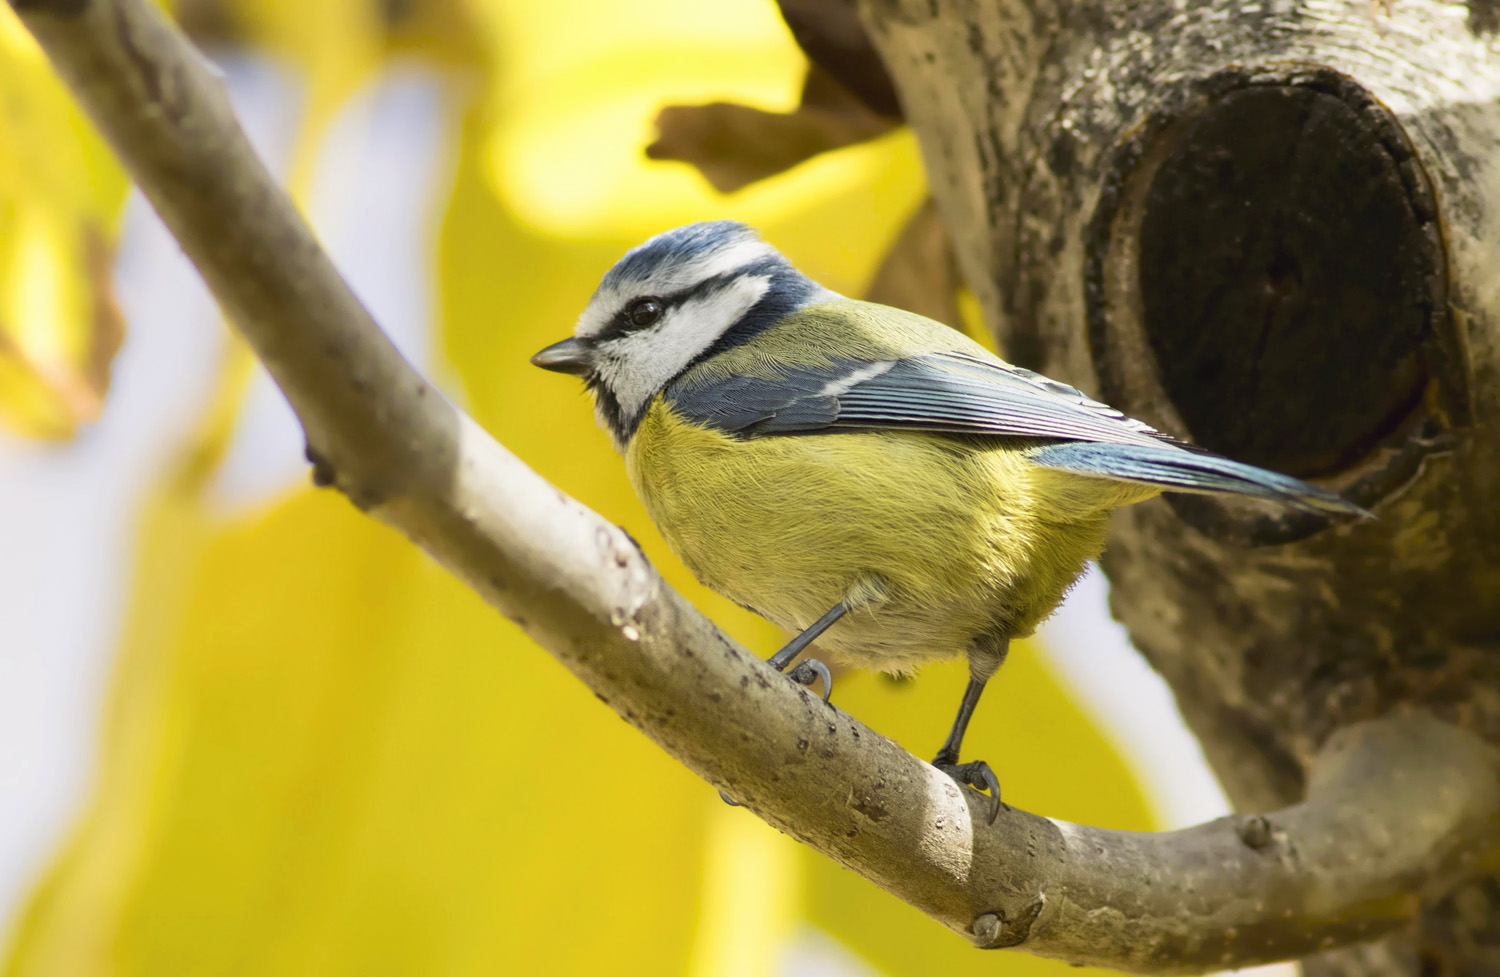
(669, 304)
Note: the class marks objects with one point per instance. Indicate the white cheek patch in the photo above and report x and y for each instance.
(634, 367)
(668, 280)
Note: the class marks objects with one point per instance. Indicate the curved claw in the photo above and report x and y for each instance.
(808, 671)
(976, 774)
(729, 800)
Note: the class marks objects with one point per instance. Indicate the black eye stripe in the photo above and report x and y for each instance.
(620, 324)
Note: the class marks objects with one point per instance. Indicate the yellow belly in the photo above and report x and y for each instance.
(966, 537)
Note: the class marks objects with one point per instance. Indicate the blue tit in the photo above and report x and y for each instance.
(864, 476)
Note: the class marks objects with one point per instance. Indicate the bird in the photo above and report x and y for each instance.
(863, 476)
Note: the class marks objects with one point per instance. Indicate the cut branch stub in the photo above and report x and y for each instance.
(1271, 241)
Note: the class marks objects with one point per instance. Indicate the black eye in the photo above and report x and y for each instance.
(643, 312)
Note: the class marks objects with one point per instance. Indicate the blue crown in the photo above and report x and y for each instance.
(681, 245)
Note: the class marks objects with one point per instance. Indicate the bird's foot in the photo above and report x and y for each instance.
(808, 671)
(976, 774)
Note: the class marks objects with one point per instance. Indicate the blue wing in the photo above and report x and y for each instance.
(955, 393)
(952, 393)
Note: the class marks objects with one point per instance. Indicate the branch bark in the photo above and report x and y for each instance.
(1398, 808)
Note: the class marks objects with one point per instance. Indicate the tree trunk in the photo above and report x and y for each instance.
(1272, 229)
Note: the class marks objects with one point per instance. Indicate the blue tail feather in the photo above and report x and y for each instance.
(1186, 471)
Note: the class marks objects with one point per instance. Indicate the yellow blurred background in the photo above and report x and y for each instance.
(252, 732)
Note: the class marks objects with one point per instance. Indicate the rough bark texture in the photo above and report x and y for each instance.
(1273, 229)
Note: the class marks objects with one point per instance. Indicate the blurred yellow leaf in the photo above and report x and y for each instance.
(60, 199)
(327, 757)
(582, 87)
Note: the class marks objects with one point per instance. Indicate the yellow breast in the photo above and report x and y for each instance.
(965, 535)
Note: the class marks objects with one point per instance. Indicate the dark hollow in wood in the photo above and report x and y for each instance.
(1268, 239)
(1284, 268)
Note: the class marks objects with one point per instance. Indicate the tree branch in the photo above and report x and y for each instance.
(1398, 808)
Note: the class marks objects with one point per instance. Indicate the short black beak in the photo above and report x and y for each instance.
(569, 356)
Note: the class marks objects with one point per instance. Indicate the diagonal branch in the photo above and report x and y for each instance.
(1397, 808)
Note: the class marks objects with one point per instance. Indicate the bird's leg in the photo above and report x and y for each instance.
(809, 670)
(948, 755)
(977, 773)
